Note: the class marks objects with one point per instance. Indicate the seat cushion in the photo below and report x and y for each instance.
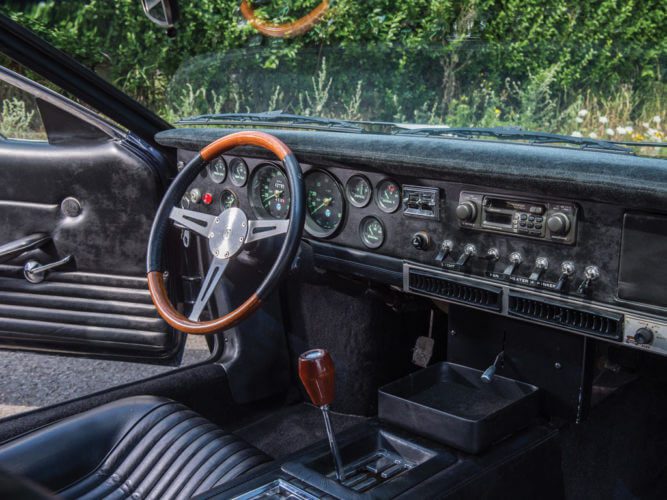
(141, 447)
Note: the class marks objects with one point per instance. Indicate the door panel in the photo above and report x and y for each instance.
(98, 303)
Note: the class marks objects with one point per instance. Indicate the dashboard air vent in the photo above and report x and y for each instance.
(449, 288)
(600, 323)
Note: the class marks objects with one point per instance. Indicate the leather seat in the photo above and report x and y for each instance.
(140, 447)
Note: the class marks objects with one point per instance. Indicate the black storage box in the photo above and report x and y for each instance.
(450, 404)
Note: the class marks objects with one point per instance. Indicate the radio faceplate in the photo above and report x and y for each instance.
(545, 220)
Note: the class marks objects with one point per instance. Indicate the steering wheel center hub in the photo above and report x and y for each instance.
(228, 233)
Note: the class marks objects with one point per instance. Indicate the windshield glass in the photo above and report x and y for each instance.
(582, 69)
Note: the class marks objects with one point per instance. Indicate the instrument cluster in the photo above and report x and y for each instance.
(333, 204)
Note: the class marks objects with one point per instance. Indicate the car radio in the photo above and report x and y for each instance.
(553, 221)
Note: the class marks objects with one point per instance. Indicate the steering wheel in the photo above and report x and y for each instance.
(286, 30)
(227, 234)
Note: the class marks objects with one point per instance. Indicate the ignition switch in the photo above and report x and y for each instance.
(421, 240)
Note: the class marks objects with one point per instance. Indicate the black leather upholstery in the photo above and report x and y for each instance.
(140, 447)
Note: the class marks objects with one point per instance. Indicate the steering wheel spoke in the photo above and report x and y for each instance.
(196, 222)
(213, 277)
(261, 229)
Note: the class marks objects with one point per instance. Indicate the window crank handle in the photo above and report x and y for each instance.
(34, 272)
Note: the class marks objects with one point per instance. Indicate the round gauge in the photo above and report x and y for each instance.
(372, 233)
(269, 192)
(358, 191)
(218, 170)
(324, 203)
(388, 197)
(228, 199)
(238, 172)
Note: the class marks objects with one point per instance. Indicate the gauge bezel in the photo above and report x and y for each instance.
(236, 198)
(259, 211)
(377, 196)
(230, 171)
(363, 222)
(349, 197)
(311, 227)
(210, 170)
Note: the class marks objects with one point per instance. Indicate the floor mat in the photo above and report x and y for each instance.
(293, 428)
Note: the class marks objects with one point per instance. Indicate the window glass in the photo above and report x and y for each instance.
(19, 116)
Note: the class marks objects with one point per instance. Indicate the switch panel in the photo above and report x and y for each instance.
(419, 201)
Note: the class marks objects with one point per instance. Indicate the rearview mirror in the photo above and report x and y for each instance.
(164, 13)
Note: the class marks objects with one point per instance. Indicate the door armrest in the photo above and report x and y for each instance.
(15, 248)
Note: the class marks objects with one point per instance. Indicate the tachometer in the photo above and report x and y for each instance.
(324, 202)
(218, 170)
(359, 191)
(388, 196)
(269, 192)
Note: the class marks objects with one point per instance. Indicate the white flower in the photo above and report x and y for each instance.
(656, 119)
(593, 135)
(652, 131)
(582, 113)
(579, 119)
(576, 133)
(646, 125)
(629, 129)
(603, 120)
(610, 131)
(621, 131)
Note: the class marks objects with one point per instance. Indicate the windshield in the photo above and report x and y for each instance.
(581, 69)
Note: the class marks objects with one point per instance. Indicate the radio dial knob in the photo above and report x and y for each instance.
(559, 224)
(466, 211)
(644, 336)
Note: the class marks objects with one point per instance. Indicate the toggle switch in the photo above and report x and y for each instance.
(515, 261)
(591, 274)
(567, 270)
(492, 255)
(468, 251)
(446, 248)
(541, 265)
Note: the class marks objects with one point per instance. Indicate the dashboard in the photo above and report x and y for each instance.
(580, 264)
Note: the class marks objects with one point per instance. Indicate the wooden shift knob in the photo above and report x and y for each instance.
(316, 371)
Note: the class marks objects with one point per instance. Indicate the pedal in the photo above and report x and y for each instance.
(423, 351)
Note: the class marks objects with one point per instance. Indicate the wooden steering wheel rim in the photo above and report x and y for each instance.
(155, 265)
(286, 30)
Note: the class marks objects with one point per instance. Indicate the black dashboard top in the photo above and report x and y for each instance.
(634, 182)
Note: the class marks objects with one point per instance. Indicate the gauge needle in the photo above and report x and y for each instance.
(325, 203)
(274, 195)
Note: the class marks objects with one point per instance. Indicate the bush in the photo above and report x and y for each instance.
(533, 63)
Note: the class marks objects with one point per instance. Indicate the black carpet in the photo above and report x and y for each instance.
(290, 429)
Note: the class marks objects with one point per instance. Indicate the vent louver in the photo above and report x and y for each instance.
(449, 288)
(602, 324)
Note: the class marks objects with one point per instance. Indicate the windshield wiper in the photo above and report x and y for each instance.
(517, 134)
(274, 118)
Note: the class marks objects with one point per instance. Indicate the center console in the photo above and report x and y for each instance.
(442, 431)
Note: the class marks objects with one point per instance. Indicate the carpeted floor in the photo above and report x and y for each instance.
(292, 428)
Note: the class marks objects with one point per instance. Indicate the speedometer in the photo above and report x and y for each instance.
(324, 202)
(269, 192)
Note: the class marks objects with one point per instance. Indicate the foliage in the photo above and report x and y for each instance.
(533, 63)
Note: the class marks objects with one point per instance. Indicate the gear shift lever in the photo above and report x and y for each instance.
(316, 371)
